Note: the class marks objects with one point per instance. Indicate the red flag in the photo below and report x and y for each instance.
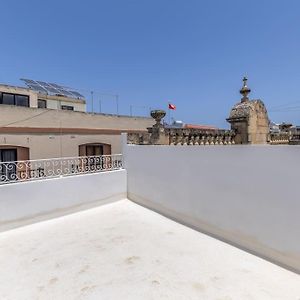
(172, 106)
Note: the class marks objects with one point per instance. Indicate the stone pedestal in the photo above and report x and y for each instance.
(158, 135)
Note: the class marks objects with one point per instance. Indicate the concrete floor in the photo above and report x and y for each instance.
(124, 251)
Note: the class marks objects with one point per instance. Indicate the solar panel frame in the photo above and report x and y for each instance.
(42, 83)
(37, 88)
(51, 88)
(77, 95)
(55, 85)
(28, 80)
(64, 92)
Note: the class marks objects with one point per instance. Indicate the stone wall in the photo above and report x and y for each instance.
(182, 136)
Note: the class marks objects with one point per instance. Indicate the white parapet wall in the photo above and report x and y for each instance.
(245, 195)
(28, 202)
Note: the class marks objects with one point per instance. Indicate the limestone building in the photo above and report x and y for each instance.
(37, 125)
(41, 98)
(249, 119)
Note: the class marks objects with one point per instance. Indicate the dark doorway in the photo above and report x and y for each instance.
(8, 169)
(93, 150)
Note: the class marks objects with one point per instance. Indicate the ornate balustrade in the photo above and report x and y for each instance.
(18, 171)
(182, 136)
(279, 138)
(160, 135)
(295, 139)
(200, 137)
(138, 138)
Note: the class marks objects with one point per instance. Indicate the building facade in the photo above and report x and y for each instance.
(57, 127)
(26, 97)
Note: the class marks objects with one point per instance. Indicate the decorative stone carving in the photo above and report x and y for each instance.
(157, 132)
(249, 119)
(158, 115)
(158, 135)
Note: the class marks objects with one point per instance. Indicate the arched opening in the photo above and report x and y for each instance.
(13, 153)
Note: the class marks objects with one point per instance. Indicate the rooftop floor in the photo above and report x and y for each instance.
(124, 251)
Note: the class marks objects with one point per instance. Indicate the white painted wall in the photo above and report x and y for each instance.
(247, 195)
(28, 202)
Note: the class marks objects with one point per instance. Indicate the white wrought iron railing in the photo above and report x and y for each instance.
(18, 171)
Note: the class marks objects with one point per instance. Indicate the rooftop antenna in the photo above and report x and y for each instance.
(117, 103)
(92, 94)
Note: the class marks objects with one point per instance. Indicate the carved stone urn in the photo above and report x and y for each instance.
(158, 115)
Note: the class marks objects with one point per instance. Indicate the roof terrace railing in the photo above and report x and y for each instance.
(25, 170)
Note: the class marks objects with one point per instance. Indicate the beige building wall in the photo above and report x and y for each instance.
(53, 102)
(55, 145)
(13, 116)
(59, 133)
(33, 96)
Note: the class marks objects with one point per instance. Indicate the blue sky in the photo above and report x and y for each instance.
(192, 53)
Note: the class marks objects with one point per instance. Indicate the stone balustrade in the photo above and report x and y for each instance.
(183, 137)
(138, 138)
(160, 135)
(189, 137)
(279, 138)
(295, 139)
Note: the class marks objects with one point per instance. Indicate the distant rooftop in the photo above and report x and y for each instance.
(180, 124)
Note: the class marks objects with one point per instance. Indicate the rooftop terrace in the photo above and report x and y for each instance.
(158, 222)
(125, 251)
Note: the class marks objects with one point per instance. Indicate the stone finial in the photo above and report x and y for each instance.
(158, 134)
(245, 90)
(158, 115)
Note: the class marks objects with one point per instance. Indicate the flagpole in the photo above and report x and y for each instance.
(169, 113)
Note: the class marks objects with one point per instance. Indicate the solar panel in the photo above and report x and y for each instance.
(51, 88)
(42, 83)
(76, 94)
(55, 85)
(68, 91)
(37, 88)
(64, 92)
(28, 80)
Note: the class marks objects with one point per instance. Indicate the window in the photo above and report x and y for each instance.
(42, 103)
(8, 99)
(21, 100)
(67, 107)
(8, 155)
(14, 99)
